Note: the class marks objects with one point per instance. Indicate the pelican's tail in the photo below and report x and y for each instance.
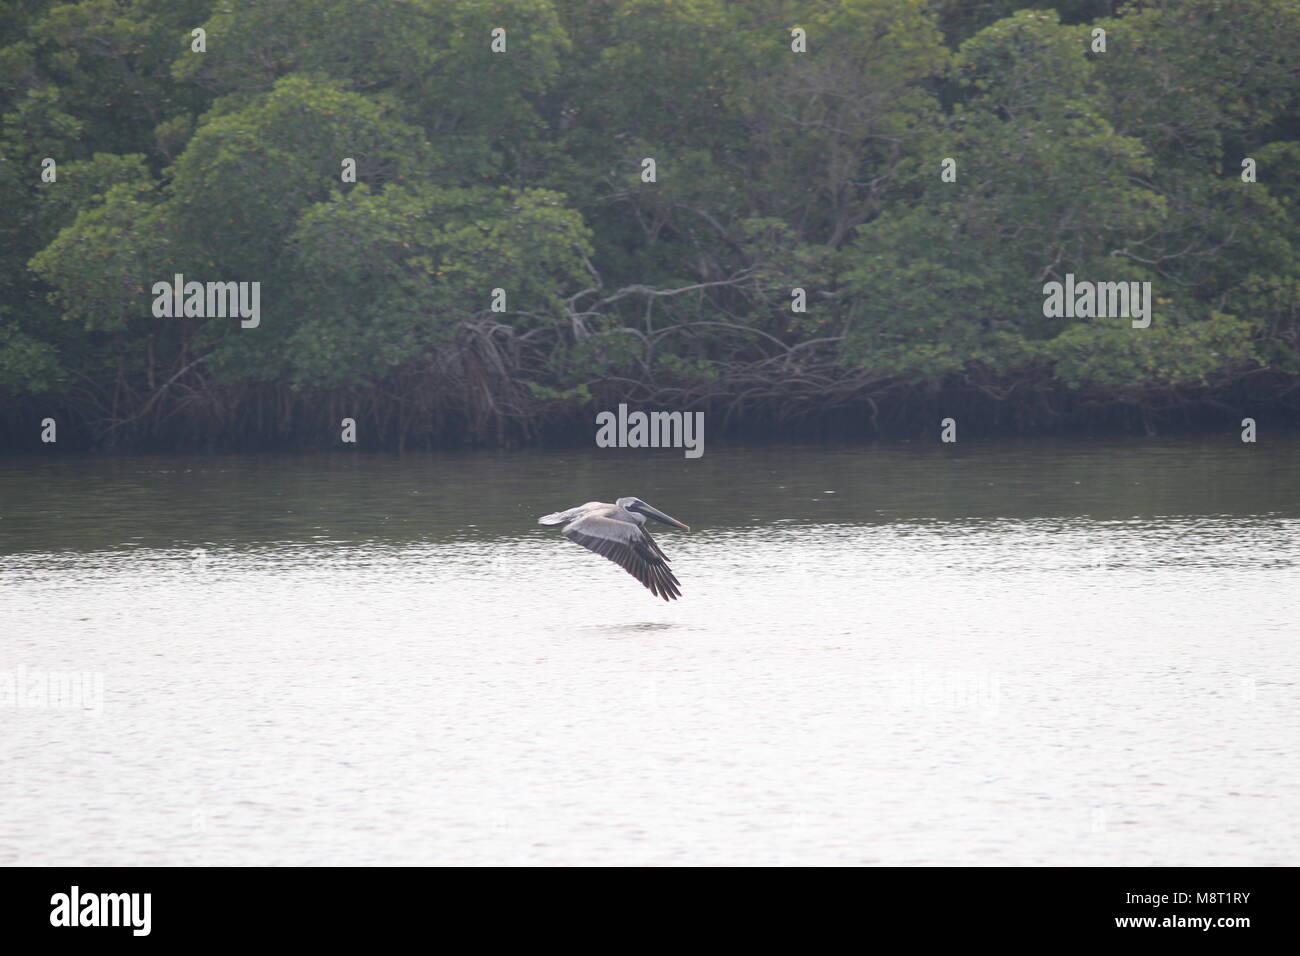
(559, 517)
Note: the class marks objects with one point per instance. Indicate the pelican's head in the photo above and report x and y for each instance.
(636, 504)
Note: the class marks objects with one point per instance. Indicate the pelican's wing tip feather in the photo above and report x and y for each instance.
(629, 546)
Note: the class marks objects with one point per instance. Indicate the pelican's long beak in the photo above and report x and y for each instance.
(666, 519)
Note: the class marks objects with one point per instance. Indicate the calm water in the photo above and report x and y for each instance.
(994, 653)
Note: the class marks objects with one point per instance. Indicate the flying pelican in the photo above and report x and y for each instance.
(618, 532)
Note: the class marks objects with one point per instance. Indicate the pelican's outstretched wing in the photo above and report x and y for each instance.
(629, 545)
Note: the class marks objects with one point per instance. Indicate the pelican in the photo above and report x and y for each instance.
(618, 532)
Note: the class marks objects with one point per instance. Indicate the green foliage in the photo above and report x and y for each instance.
(101, 267)
(111, 61)
(1106, 354)
(1046, 186)
(249, 171)
(26, 363)
(522, 171)
(430, 60)
(379, 280)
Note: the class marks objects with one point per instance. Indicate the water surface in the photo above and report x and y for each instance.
(991, 653)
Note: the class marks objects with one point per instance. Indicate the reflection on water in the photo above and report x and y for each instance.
(1032, 652)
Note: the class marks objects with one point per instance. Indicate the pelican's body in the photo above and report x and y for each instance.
(618, 532)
